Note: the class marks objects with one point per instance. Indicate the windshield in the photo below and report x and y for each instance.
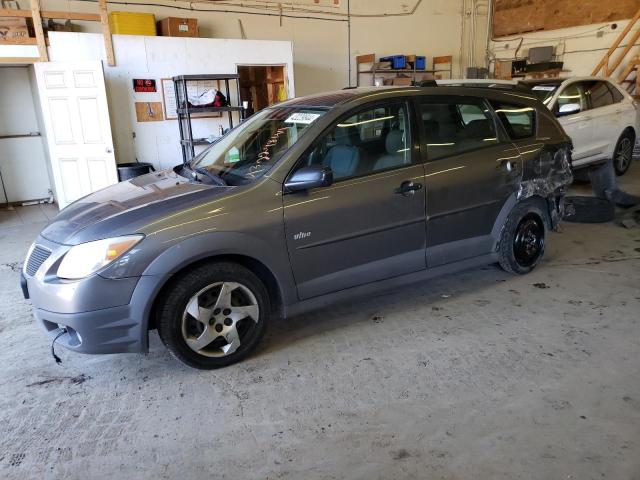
(252, 149)
(544, 92)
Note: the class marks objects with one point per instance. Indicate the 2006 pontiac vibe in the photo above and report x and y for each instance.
(311, 200)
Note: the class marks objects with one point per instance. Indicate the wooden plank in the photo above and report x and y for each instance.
(37, 26)
(442, 59)
(87, 17)
(149, 112)
(370, 58)
(4, 12)
(21, 41)
(19, 60)
(106, 32)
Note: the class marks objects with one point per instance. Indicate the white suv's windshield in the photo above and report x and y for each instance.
(250, 150)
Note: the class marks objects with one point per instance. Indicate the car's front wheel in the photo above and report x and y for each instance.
(522, 240)
(623, 154)
(213, 315)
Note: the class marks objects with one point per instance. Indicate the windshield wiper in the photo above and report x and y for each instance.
(216, 179)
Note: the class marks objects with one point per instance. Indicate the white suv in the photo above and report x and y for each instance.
(599, 116)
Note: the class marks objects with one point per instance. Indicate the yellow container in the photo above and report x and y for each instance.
(129, 23)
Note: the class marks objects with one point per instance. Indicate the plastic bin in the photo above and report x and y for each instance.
(129, 23)
(397, 61)
(127, 171)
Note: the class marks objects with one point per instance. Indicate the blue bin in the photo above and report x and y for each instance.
(398, 62)
(421, 63)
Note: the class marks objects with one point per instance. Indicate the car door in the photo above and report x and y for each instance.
(606, 124)
(572, 110)
(470, 173)
(370, 223)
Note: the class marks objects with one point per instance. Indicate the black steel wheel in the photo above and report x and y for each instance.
(522, 240)
(528, 243)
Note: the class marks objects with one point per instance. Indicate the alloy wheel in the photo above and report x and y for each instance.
(624, 155)
(218, 318)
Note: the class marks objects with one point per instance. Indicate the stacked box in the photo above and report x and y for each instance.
(129, 23)
(178, 27)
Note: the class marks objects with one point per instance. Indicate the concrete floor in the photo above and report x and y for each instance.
(480, 375)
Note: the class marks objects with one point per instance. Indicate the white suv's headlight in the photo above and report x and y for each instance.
(87, 258)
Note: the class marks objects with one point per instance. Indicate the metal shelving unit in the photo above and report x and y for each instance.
(185, 112)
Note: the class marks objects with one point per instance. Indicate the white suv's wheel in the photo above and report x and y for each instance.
(623, 153)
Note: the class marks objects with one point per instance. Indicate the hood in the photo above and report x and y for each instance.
(124, 208)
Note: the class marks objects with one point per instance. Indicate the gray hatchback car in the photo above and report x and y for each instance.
(315, 199)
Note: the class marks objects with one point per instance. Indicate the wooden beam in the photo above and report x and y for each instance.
(37, 26)
(87, 17)
(106, 32)
(4, 12)
(20, 60)
(21, 41)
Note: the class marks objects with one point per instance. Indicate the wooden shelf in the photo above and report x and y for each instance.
(22, 41)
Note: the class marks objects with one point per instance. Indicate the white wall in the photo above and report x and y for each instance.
(22, 159)
(321, 46)
(156, 58)
(581, 48)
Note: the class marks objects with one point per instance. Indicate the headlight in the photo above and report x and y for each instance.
(87, 258)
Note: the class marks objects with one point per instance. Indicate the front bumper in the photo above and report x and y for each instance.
(111, 330)
(101, 315)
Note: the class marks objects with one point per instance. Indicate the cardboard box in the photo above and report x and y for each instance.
(399, 81)
(12, 28)
(178, 27)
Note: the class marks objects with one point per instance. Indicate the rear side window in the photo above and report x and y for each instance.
(518, 120)
(453, 127)
(599, 93)
(617, 95)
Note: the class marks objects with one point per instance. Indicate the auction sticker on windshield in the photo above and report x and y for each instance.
(302, 117)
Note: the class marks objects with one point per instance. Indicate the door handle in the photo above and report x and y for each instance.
(408, 188)
(108, 150)
(508, 165)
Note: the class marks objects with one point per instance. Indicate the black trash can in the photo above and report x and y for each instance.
(127, 171)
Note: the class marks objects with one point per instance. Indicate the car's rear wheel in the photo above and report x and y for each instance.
(213, 315)
(623, 154)
(522, 240)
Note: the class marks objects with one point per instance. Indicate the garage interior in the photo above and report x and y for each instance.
(475, 374)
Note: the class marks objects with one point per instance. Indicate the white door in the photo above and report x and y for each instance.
(577, 125)
(605, 120)
(78, 129)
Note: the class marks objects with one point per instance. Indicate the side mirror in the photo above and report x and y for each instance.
(568, 109)
(307, 178)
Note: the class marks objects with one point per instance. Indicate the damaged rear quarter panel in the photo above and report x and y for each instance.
(546, 173)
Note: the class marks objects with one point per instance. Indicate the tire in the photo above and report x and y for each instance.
(522, 240)
(588, 210)
(623, 154)
(213, 315)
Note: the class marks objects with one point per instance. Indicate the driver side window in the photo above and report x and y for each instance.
(570, 98)
(372, 140)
